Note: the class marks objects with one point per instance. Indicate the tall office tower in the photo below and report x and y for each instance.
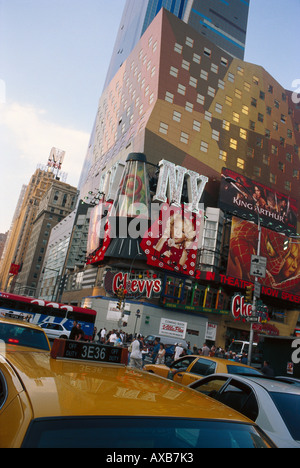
(222, 22)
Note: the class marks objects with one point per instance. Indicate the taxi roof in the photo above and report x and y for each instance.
(217, 360)
(61, 388)
(19, 322)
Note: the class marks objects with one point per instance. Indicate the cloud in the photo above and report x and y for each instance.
(26, 139)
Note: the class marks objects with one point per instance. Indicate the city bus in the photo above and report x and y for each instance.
(38, 311)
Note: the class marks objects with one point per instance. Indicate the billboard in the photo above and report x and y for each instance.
(244, 197)
(172, 241)
(283, 264)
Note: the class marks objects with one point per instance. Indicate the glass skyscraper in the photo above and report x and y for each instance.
(221, 21)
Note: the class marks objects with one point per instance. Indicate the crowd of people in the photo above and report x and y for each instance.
(138, 349)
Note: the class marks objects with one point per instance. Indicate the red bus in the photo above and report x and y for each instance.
(40, 312)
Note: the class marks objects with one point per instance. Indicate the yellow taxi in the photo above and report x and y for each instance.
(83, 395)
(190, 368)
(18, 334)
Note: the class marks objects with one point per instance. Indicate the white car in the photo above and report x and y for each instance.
(55, 330)
(272, 403)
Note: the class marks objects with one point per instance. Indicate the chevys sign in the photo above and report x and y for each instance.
(239, 308)
(136, 286)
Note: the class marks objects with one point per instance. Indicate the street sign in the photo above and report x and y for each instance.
(258, 266)
(257, 289)
(252, 319)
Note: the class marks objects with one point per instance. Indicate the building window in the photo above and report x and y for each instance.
(189, 42)
(226, 125)
(260, 117)
(243, 134)
(189, 107)
(257, 171)
(274, 150)
(245, 110)
(247, 86)
(281, 166)
(184, 138)
(185, 65)
(288, 185)
(208, 116)
(231, 77)
(204, 146)
(211, 91)
(193, 82)
(196, 126)
(214, 68)
(223, 155)
(181, 89)
(273, 178)
(228, 100)
(174, 72)
(219, 108)
(240, 163)
(197, 58)
(233, 143)
(200, 99)
(204, 75)
(253, 102)
(207, 52)
(215, 135)
(178, 48)
(235, 117)
(163, 128)
(177, 116)
(289, 157)
(224, 62)
(255, 80)
(296, 174)
(238, 93)
(221, 84)
(169, 97)
(266, 159)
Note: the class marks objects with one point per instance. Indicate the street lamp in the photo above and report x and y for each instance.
(254, 303)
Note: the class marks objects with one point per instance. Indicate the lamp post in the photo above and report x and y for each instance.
(254, 303)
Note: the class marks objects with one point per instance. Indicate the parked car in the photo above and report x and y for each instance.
(273, 404)
(189, 368)
(55, 330)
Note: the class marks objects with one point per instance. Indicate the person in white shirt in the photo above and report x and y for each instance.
(112, 338)
(178, 351)
(136, 357)
(103, 335)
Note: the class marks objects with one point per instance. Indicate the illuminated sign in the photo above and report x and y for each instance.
(145, 287)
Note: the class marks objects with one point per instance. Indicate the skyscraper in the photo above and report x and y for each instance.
(222, 22)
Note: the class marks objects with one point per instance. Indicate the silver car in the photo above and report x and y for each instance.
(272, 403)
(55, 330)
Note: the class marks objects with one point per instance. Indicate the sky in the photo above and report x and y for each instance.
(54, 55)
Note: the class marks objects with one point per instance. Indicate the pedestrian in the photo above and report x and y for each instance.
(136, 358)
(118, 341)
(112, 338)
(80, 333)
(74, 331)
(267, 369)
(244, 358)
(155, 350)
(161, 354)
(103, 335)
(205, 350)
(178, 351)
(94, 334)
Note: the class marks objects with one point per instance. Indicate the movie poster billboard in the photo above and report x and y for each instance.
(243, 197)
(283, 264)
(172, 241)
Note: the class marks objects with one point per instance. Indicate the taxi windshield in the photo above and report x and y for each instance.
(141, 432)
(15, 334)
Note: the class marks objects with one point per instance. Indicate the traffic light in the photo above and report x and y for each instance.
(119, 305)
(249, 293)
